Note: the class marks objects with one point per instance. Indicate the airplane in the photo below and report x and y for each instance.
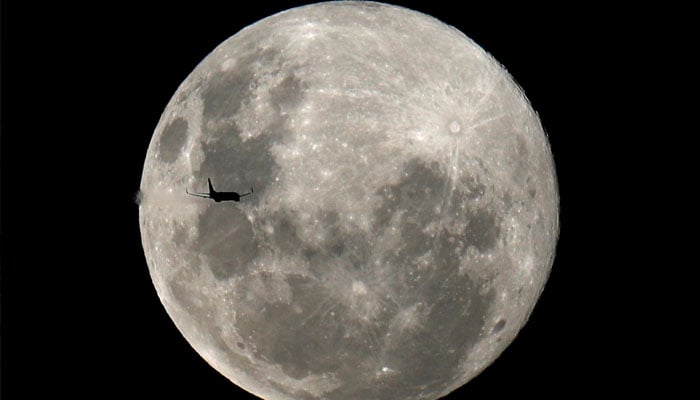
(219, 196)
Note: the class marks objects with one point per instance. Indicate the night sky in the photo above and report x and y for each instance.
(82, 91)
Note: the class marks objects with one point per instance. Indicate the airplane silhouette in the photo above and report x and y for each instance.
(219, 196)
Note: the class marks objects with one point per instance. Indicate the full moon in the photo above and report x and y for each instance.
(404, 216)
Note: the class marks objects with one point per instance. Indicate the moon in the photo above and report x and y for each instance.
(405, 213)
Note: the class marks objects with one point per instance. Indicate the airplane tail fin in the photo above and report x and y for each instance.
(211, 187)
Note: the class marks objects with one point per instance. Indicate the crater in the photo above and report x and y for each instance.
(172, 139)
(359, 288)
(455, 127)
(499, 326)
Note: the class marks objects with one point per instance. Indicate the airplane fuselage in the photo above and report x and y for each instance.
(225, 196)
(219, 196)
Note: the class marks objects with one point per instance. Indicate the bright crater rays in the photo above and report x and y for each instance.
(405, 213)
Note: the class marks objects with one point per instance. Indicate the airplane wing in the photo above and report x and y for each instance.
(204, 195)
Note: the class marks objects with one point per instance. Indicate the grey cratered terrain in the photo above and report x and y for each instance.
(405, 212)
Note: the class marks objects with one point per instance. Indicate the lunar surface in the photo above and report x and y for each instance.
(405, 212)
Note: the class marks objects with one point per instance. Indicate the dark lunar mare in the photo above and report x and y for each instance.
(327, 338)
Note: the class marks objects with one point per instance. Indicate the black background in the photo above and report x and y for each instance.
(83, 87)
